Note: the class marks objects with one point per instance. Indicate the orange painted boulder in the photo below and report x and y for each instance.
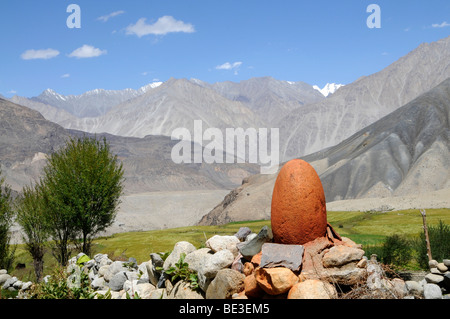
(299, 213)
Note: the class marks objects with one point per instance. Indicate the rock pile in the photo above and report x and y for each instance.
(304, 258)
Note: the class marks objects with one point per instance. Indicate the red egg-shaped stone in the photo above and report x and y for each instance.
(299, 213)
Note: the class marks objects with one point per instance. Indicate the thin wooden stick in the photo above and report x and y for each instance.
(425, 228)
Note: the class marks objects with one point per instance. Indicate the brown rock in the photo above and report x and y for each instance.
(275, 281)
(248, 268)
(256, 259)
(251, 287)
(313, 289)
(298, 210)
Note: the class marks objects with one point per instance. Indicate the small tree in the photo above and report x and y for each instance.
(30, 216)
(6, 221)
(84, 182)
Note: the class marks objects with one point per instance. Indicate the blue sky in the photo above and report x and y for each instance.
(128, 44)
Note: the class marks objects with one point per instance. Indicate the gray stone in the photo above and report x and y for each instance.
(242, 233)
(159, 293)
(349, 274)
(218, 243)
(413, 287)
(196, 259)
(432, 291)
(434, 279)
(9, 282)
(250, 248)
(4, 278)
(341, 255)
(442, 267)
(3, 271)
(179, 248)
(214, 263)
(27, 285)
(18, 285)
(156, 259)
(182, 290)
(117, 281)
(226, 283)
(279, 255)
(432, 263)
(152, 274)
(446, 262)
(145, 290)
(98, 283)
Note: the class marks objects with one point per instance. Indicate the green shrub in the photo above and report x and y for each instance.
(61, 286)
(439, 236)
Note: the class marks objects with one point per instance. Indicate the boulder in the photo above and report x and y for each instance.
(226, 283)
(298, 209)
(144, 290)
(340, 255)
(432, 291)
(279, 255)
(313, 289)
(116, 281)
(179, 248)
(275, 281)
(442, 267)
(214, 263)
(434, 279)
(414, 288)
(3, 278)
(196, 259)
(218, 243)
(183, 290)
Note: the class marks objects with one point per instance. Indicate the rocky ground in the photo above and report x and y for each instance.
(250, 265)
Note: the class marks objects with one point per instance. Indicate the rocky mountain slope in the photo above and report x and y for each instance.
(174, 104)
(404, 153)
(316, 126)
(27, 137)
(93, 103)
(269, 98)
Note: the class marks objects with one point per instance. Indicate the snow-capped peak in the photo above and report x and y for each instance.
(328, 89)
(150, 86)
(50, 92)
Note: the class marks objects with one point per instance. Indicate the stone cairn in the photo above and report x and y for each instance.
(300, 257)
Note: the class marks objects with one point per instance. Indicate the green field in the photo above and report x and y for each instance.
(366, 228)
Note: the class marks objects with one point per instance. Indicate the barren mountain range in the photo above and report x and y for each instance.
(406, 152)
(386, 134)
(27, 137)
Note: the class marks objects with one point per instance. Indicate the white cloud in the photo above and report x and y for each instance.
(164, 25)
(64, 76)
(229, 66)
(111, 15)
(442, 25)
(12, 92)
(39, 54)
(87, 51)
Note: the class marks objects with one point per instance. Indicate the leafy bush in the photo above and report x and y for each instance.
(395, 251)
(61, 286)
(439, 236)
(181, 271)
